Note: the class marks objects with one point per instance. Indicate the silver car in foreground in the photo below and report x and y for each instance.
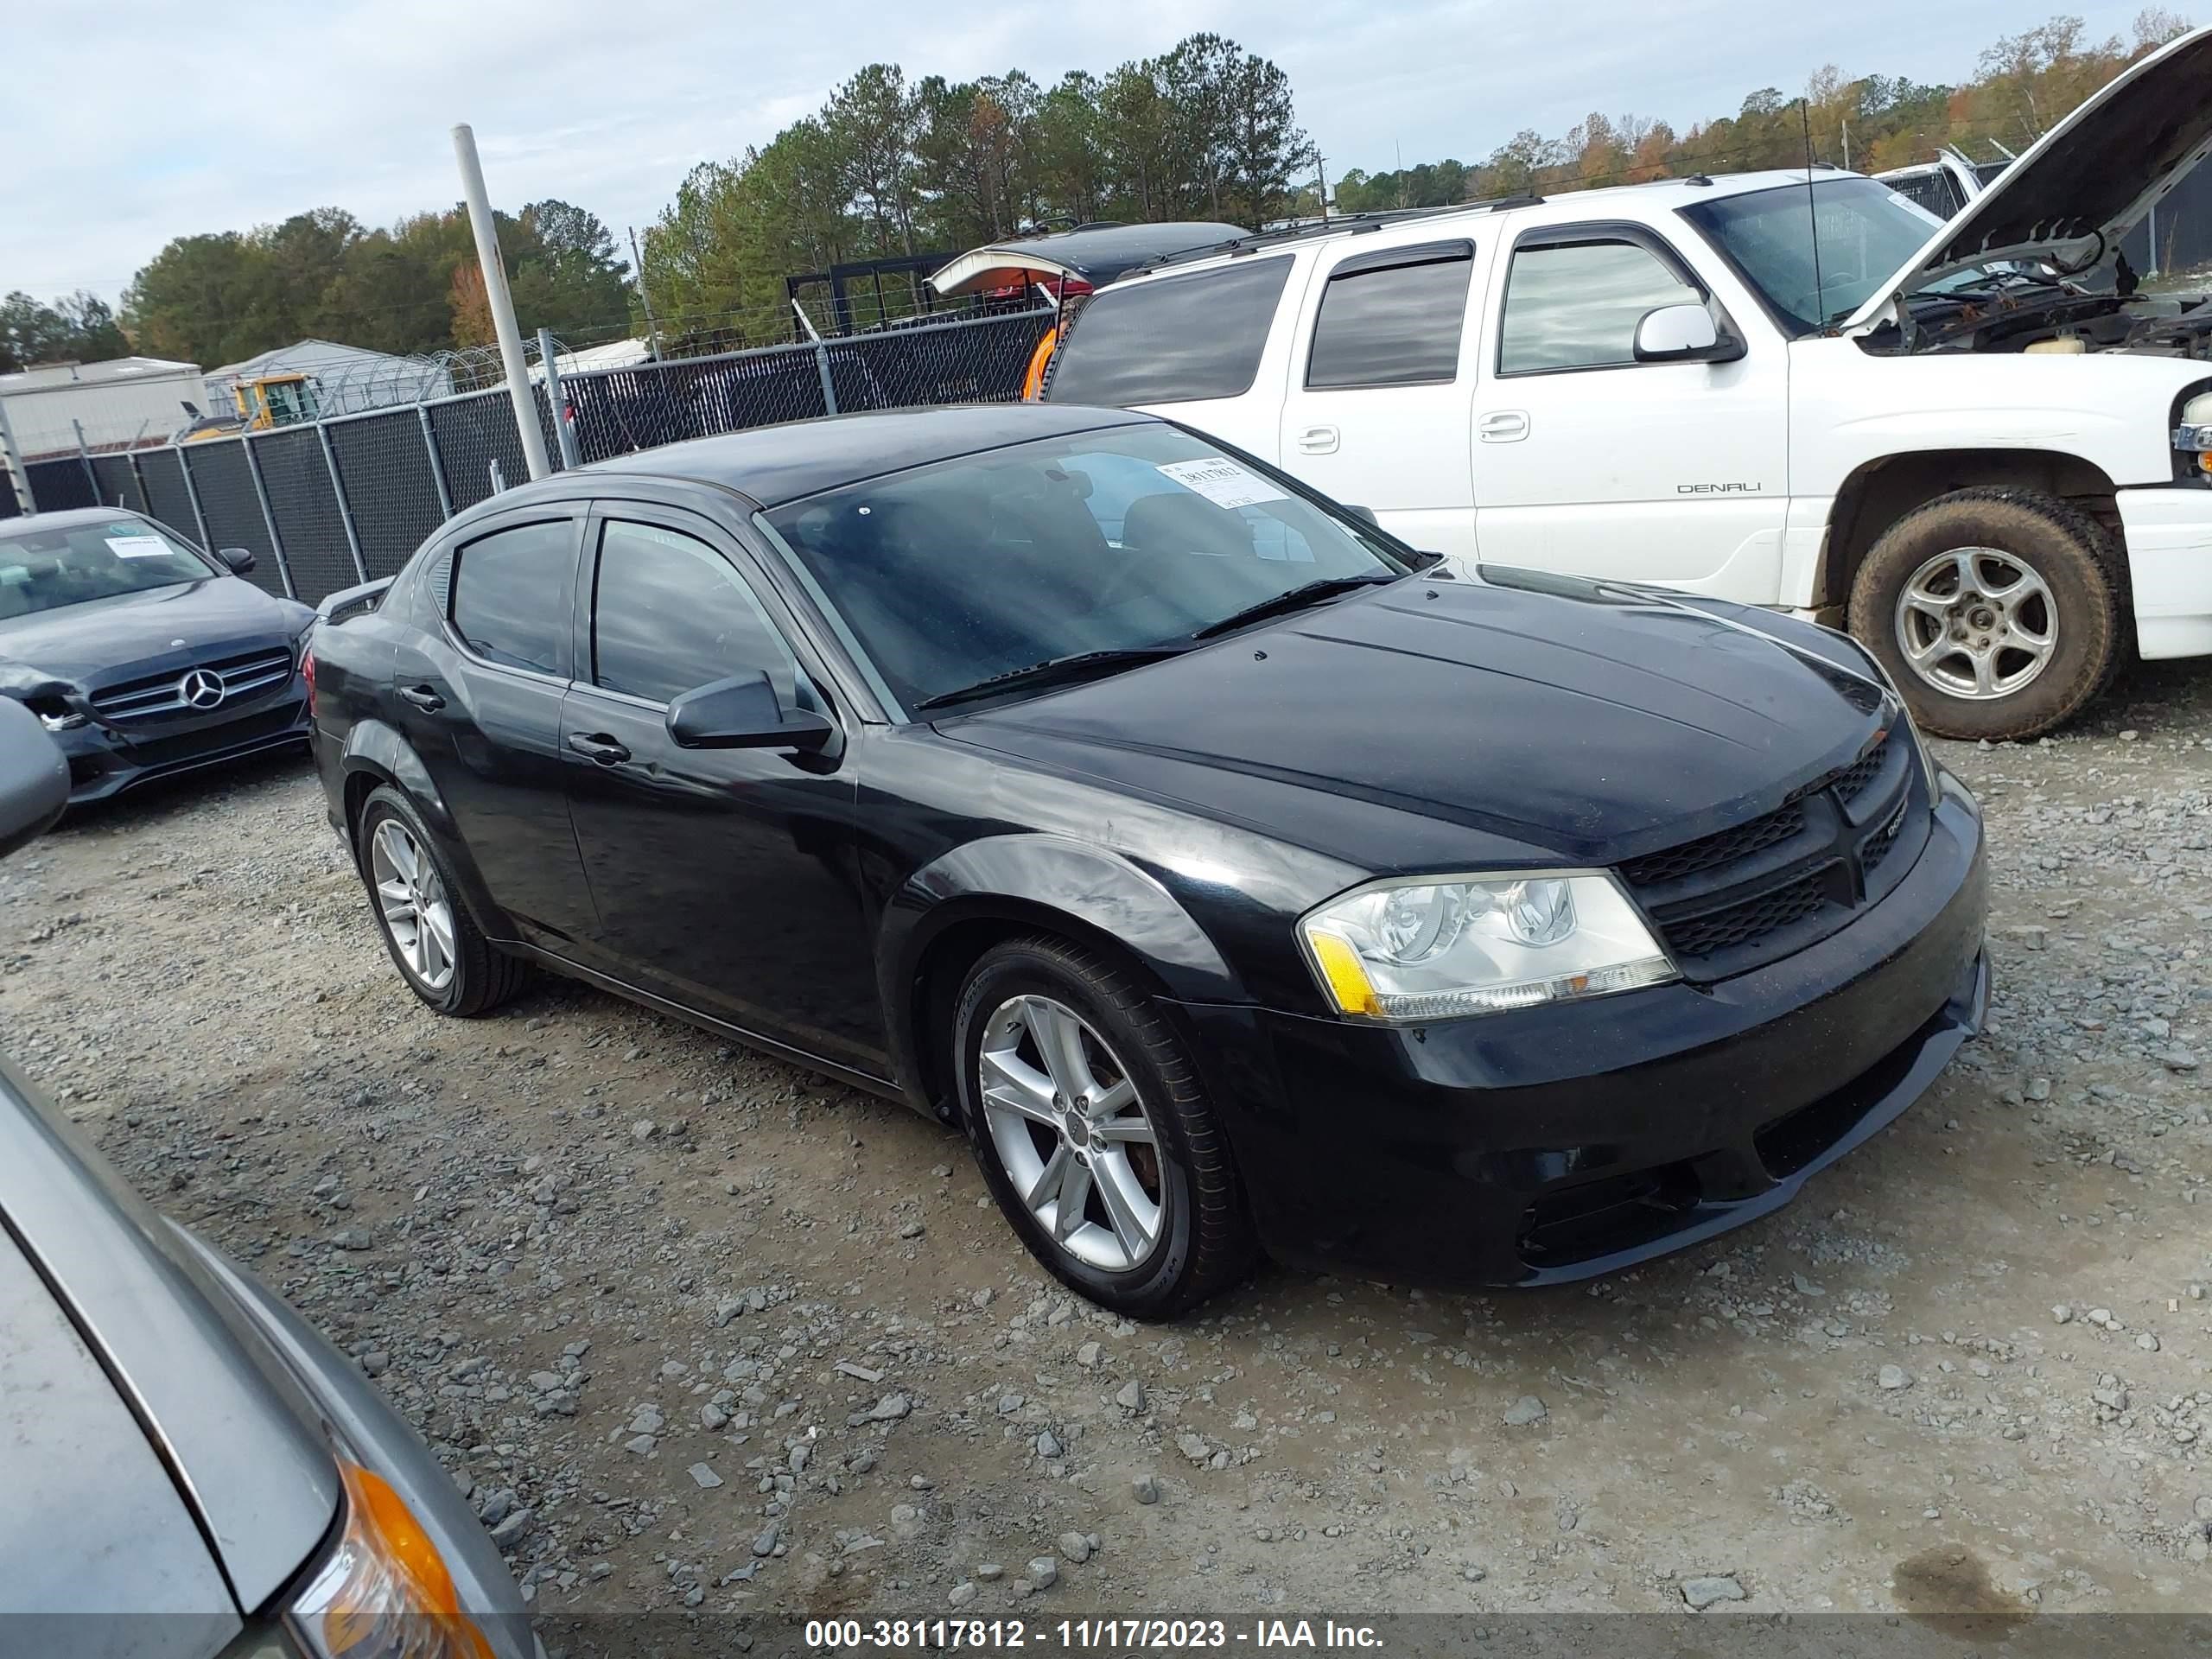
(190, 1469)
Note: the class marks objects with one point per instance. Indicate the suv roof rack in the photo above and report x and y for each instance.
(1341, 225)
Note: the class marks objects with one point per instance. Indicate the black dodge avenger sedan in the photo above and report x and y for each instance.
(1232, 875)
(143, 656)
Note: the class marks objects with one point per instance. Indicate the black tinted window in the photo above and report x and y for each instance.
(1172, 339)
(1576, 307)
(510, 594)
(670, 615)
(1393, 327)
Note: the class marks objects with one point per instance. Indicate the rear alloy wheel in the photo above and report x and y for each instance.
(1998, 612)
(1093, 1133)
(440, 954)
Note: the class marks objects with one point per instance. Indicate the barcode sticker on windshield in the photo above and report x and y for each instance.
(1221, 482)
(139, 547)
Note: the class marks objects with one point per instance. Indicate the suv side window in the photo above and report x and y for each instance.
(1172, 339)
(1575, 305)
(671, 614)
(510, 598)
(1392, 319)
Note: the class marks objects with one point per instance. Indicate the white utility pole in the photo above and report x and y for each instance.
(503, 304)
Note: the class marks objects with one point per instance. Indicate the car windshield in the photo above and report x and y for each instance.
(1867, 231)
(1132, 539)
(45, 568)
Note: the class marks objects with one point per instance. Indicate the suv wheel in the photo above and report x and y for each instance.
(439, 951)
(1998, 612)
(1093, 1133)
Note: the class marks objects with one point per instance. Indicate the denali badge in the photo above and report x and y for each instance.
(200, 689)
(1716, 489)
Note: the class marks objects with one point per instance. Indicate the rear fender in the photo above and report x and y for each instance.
(376, 753)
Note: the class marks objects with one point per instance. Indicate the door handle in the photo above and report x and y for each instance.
(1503, 426)
(597, 745)
(1319, 441)
(422, 696)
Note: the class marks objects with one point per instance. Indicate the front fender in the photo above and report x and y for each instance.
(1040, 879)
(376, 749)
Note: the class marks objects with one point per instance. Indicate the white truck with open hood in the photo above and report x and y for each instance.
(1978, 440)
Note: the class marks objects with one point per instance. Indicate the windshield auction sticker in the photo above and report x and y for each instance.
(139, 547)
(1221, 482)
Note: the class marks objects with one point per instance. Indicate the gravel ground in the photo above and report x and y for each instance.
(697, 1330)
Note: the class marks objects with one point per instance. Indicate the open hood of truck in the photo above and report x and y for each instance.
(1095, 254)
(2085, 183)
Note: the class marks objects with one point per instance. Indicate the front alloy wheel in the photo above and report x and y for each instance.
(1977, 622)
(1092, 1129)
(1072, 1134)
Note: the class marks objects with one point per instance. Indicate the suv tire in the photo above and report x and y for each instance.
(1998, 612)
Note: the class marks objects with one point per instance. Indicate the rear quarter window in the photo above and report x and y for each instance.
(511, 595)
(1172, 339)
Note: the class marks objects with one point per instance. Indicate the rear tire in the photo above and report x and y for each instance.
(1153, 1222)
(1998, 612)
(440, 954)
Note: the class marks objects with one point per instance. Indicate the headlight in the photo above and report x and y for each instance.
(2193, 432)
(54, 714)
(1439, 946)
(385, 1592)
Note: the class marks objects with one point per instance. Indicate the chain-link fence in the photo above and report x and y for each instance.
(325, 505)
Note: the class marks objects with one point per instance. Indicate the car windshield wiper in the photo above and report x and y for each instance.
(1054, 671)
(1310, 593)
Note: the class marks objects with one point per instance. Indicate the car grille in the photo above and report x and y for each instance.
(243, 677)
(213, 740)
(1754, 891)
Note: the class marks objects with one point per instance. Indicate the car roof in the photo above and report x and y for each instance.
(1634, 201)
(64, 518)
(777, 464)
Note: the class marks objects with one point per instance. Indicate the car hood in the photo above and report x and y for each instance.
(2094, 175)
(81, 641)
(1097, 256)
(93, 1524)
(1556, 718)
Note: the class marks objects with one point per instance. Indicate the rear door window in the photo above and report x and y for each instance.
(1392, 319)
(511, 595)
(1172, 339)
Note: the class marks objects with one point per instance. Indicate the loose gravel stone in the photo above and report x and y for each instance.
(1892, 1378)
(1525, 1411)
(1703, 1592)
(1044, 1572)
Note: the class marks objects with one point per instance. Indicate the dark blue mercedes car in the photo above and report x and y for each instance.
(142, 655)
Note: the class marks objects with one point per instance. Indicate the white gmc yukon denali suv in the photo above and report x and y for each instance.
(1978, 442)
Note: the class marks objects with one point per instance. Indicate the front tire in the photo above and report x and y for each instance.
(1093, 1133)
(438, 950)
(1998, 612)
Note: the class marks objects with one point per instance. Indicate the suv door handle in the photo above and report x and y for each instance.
(1503, 426)
(423, 696)
(597, 745)
(1319, 441)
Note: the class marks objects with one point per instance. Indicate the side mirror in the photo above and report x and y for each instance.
(33, 777)
(743, 712)
(1683, 334)
(237, 560)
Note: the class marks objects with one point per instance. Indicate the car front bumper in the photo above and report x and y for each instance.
(104, 760)
(1557, 1143)
(2168, 530)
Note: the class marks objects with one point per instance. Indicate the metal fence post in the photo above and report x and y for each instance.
(12, 458)
(828, 385)
(139, 478)
(85, 456)
(562, 433)
(261, 492)
(437, 465)
(192, 490)
(344, 509)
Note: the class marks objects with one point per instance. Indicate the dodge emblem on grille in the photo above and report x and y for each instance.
(200, 689)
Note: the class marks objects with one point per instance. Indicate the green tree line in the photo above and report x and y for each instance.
(891, 167)
(2024, 85)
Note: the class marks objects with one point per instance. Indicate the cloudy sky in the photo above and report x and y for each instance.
(129, 123)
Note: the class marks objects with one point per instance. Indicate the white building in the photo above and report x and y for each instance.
(119, 404)
(345, 378)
